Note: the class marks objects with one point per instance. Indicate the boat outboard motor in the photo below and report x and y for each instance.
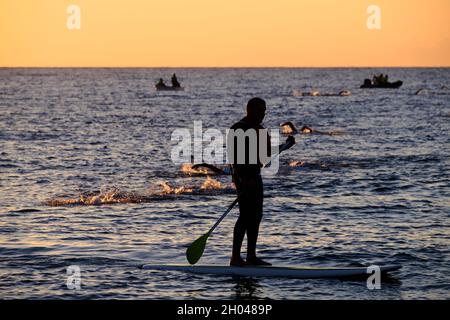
(367, 83)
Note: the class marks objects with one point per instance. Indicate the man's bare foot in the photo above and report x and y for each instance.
(237, 262)
(257, 262)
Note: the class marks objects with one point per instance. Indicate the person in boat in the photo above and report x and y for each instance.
(377, 79)
(161, 83)
(374, 80)
(175, 82)
(249, 185)
(381, 79)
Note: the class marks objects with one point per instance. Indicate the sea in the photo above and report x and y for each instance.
(89, 190)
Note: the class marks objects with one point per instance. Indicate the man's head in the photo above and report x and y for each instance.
(256, 110)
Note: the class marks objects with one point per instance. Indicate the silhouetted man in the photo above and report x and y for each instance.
(249, 186)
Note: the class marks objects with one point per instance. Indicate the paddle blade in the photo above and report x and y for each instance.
(195, 250)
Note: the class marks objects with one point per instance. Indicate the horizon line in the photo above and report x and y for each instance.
(220, 67)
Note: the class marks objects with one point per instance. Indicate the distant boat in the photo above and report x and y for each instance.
(161, 86)
(368, 84)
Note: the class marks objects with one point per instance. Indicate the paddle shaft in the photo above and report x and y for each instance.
(224, 215)
(281, 149)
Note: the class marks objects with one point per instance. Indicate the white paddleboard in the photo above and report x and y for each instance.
(271, 271)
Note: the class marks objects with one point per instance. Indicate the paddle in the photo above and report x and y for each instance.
(195, 251)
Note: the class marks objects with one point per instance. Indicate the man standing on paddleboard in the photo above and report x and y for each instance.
(248, 181)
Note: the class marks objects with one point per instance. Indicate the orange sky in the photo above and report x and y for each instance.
(204, 33)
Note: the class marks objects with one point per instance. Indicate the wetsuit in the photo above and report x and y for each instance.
(249, 186)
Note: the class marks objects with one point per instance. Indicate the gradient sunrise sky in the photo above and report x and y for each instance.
(224, 33)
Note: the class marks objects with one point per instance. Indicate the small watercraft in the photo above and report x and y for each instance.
(369, 84)
(272, 271)
(176, 86)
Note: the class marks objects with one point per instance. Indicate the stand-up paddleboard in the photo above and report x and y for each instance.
(270, 271)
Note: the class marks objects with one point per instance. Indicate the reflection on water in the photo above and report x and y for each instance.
(246, 288)
(86, 179)
(114, 195)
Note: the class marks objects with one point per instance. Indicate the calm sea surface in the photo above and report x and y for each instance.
(86, 180)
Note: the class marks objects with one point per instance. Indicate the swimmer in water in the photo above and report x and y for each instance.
(224, 171)
(342, 93)
(306, 129)
(289, 128)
